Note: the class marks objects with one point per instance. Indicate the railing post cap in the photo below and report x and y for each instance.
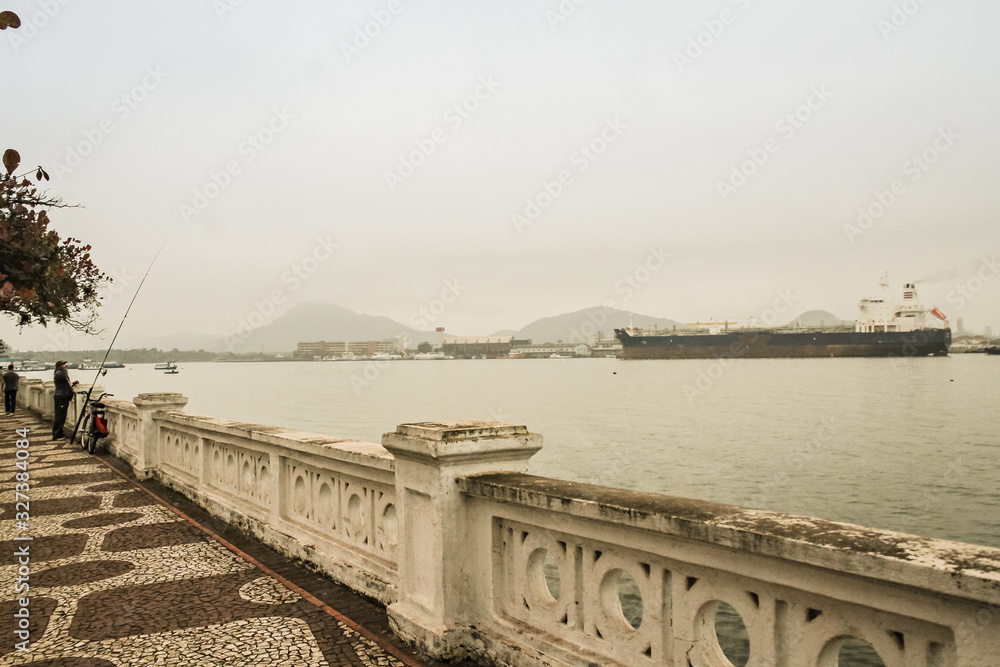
(460, 430)
(462, 441)
(160, 400)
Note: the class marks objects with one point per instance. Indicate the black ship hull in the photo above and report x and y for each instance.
(767, 344)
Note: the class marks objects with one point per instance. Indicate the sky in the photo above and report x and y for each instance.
(506, 161)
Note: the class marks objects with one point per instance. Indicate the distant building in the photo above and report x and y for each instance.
(322, 349)
(602, 348)
(318, 349)
(546, 350)
(478, 346)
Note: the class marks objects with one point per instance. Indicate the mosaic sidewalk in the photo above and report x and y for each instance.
(118, 578)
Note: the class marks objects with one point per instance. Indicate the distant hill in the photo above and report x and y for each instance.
(819, 318)
(319, 320)
(578, 326)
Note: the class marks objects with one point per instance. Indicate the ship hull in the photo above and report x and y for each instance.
(778, 345)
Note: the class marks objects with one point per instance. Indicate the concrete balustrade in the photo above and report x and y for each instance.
(38, 396)
(327, 501)
(475, 558)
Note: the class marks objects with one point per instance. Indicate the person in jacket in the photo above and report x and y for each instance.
(10, 380)
(63, 395)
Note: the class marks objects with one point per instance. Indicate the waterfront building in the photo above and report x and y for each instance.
(546, 350)
(478, 346)
(366, 348)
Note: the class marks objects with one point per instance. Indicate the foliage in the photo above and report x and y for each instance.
(425, 347)
(43, 278)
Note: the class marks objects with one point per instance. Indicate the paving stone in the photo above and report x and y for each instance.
(141, 587)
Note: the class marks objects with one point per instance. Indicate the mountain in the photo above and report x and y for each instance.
(819, 318)
(319, 320)
(578, 326)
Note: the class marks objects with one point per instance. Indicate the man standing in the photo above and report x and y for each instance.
(10, 380)
(63, 395)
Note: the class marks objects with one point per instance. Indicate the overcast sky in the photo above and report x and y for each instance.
(521, 158)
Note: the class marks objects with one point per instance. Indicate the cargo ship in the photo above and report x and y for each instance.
(886, 327)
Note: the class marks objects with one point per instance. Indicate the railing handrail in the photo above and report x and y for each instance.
(958, 569)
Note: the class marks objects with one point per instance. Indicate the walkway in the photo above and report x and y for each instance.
(129, 573)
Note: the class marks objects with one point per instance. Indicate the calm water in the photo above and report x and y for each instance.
(903, 444)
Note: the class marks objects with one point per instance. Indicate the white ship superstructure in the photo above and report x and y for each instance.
(881, 313)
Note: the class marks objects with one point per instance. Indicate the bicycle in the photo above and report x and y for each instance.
(95, 424)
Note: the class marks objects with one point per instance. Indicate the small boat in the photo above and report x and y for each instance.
(556, 355)
(169, 366)
(172, 371)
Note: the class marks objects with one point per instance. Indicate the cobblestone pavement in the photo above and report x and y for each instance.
(117, 578)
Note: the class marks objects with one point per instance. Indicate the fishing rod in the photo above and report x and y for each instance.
(100, 368)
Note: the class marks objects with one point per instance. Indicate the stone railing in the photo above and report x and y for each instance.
(38, 396)
(802, 587)
(475, 558)
(327, 501)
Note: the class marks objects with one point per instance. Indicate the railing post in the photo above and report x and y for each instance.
(48, 406)
(429, 457)
(26, 393)
(147, 436)
(76, 405)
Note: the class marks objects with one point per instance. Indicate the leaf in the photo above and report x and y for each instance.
(9, 20)
(11, 159)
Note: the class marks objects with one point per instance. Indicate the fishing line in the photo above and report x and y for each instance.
(100, 368)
